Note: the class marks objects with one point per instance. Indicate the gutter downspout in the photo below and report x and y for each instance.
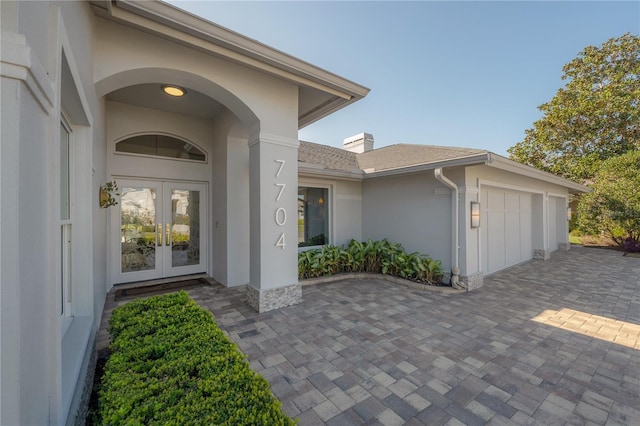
(455, 243)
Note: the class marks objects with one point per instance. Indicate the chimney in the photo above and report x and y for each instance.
(359, 143)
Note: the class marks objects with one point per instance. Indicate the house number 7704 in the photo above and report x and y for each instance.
(281, 213)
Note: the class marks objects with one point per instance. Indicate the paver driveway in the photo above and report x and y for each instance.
(551, 342)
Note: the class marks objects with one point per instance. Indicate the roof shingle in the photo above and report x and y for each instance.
(386, 158)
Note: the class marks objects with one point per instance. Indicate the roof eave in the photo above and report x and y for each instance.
(476, 159)
(178, 25)
(506, 164)
(315, 170)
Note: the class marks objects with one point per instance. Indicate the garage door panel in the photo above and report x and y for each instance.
(495, 200)
(512, 201)
(507, 231)
(512, 234)
(495, 239)
(526, 234)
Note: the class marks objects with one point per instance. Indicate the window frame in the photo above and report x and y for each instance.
(66, 227)
(161, 157)
(330, 211)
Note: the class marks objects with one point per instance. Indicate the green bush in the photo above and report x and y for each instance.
(613, 207)
(171, 365)
(382, 257)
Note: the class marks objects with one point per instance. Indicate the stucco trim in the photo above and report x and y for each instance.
(503, 163)
(501, 185)
(18, 62)
(172, 23)
(273, 140)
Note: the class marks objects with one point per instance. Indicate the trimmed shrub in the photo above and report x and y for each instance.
(172, 365)
(382, 257)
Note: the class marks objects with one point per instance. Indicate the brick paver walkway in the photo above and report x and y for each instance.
(554, 342)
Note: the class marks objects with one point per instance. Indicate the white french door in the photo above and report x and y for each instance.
(159, 230)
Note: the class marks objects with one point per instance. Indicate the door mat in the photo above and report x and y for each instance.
(151, 290)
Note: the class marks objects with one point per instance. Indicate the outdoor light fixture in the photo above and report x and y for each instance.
(568, 213)
(173, 90)
(475, 214)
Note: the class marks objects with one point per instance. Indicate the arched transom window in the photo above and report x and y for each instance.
(161, 146)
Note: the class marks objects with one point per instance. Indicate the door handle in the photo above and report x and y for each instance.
(159, 240)
(167, 234)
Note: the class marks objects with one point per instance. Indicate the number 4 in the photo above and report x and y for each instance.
(281, 242)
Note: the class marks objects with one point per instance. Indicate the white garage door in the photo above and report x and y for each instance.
(506, 228)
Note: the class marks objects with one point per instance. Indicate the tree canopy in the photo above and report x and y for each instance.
(596, 115)
(614, 205)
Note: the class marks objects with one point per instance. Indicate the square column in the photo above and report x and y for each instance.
(273, 194)
(540, 227)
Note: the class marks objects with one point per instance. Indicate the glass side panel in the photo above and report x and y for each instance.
(137, 229)
(313, 220)
(161, 146)
(185, 227)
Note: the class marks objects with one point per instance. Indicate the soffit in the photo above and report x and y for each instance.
(321, 92)
(193, 104)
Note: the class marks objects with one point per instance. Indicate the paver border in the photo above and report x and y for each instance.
(389, 278)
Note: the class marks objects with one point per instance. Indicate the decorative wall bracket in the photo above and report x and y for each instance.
(107, 195)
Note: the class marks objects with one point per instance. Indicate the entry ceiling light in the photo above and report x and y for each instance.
(172, 90)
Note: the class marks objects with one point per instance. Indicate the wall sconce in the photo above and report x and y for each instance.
(568, 213)
(475, 214)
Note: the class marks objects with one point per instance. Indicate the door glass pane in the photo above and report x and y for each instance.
(185, 227)
(137, 229)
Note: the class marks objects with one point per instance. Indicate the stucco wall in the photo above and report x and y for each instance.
(493, 174)
(414, 210)
(42, 359)
(273, 101)
(230, 208)
(125, 120)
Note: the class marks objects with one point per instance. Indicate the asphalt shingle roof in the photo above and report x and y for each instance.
(406, 155)
(327, 156)
(386, 158)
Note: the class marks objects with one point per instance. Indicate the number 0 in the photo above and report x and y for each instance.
(281, 216)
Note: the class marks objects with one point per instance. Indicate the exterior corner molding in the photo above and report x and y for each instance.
(18, 62)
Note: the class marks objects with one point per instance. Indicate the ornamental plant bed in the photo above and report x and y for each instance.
(376, 257)
(170, 364)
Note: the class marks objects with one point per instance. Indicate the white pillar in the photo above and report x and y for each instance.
(540, 227)
(273, 189)
(471, 276)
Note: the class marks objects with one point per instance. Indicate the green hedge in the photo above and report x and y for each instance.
(171, 365)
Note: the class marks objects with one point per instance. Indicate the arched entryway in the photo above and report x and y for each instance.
(170, 157)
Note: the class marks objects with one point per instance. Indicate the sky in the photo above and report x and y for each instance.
(454, 73)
